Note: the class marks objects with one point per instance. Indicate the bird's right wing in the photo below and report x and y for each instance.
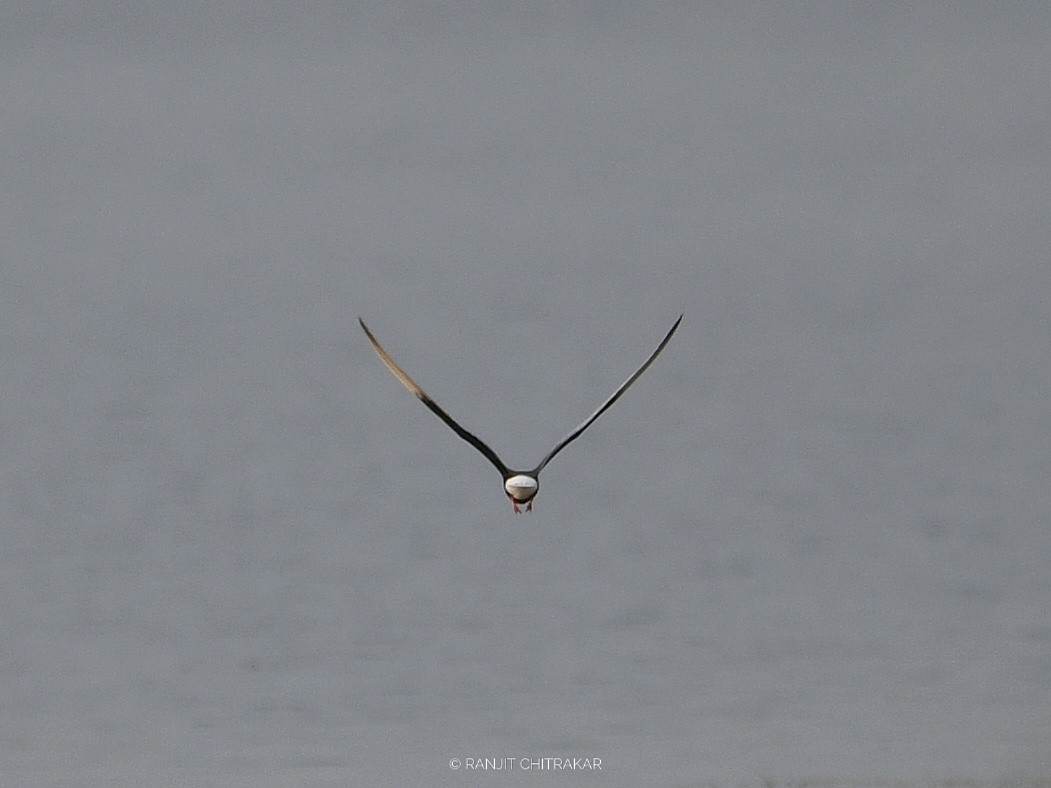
(410, 384)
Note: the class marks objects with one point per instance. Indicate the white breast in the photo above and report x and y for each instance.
(520, 487)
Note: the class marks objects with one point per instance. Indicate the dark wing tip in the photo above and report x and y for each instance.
(672, 330)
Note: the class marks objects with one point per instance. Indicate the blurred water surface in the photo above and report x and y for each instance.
(811, 543)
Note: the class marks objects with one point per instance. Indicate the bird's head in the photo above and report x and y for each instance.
(521, 488)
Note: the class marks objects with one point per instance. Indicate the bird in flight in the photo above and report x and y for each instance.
(520, 486)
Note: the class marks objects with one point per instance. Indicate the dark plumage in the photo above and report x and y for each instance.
(520, 486)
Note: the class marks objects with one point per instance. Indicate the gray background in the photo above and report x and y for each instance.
(811, 543)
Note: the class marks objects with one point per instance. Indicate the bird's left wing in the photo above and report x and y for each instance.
(605, 405)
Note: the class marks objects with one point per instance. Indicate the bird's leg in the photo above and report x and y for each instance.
(529, 506)
(514, 505)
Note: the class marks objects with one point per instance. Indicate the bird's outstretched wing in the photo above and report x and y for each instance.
(605, 405)
(410, 384)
